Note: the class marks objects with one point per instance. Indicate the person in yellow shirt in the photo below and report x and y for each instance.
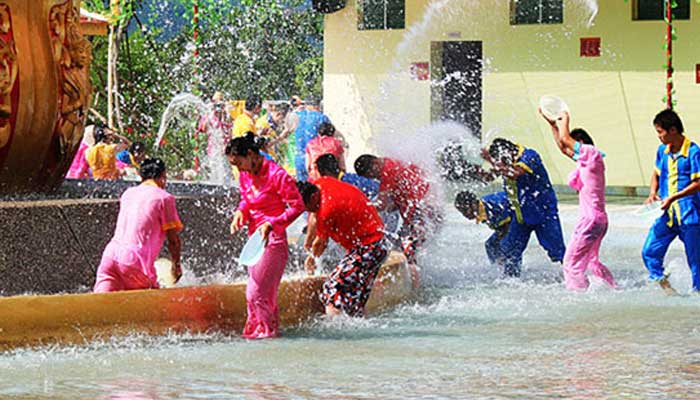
(102, 156)
(246, 121)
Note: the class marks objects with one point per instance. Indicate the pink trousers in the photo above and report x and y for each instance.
(582, 253)
(113, 276)
(261, 293)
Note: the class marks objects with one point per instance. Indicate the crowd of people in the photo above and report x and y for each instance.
(313, 182)
(528, 203)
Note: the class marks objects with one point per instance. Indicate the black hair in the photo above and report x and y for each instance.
(365, 164)
(581, 135)
(241, 145)
(501, 149)
(326, 129)
(668, 119)
(252, 102)
(328, 165)
(99, 133)
(465, 200)
(307, 189)
(152, 168)
(282, 107)
(137, 147)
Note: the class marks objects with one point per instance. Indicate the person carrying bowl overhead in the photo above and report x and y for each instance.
(269, 203)
(147, 216)
(588, 179)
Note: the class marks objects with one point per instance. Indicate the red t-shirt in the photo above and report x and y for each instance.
(346, 216)
(406, 184)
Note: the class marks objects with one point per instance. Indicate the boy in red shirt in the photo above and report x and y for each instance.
(343, 213)
(407, 187)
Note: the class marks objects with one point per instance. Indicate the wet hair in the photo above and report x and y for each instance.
(152, 168)
(307, 189)
(328, 165)
(501, 149)
(326, 129)
(466, 200)
(581, 135)
(137, 147)
(99, 133)
(241, 145)
(365, 164)
(252, 102)
(668, 119)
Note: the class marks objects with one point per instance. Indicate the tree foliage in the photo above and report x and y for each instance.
(272, 48)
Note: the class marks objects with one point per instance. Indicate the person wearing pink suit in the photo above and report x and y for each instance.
(588, 179)
(147, 216)
(270, 201)
(324, 143)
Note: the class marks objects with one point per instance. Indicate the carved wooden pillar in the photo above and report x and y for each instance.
(45, 92)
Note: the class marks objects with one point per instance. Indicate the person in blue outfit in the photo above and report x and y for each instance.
(675, 182)
(328, 165)
(310, 119)
(494, 211)
(533, 202)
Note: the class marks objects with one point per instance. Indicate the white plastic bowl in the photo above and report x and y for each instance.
(164, 272)
(253, 250)
(553, 107)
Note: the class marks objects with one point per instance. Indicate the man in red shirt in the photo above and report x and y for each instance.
(406, 186)
(343, 213)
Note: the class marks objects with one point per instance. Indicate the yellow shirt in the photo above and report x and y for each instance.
(243, 123)
(102, 159)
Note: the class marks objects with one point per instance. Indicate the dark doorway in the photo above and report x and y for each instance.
(456, 83)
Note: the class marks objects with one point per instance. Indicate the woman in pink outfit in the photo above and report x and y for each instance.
(325, 143)
(269, 202)
(147, 216)
(588, 179)
(80, 169)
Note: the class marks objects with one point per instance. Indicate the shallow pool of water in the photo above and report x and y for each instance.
(470, 334)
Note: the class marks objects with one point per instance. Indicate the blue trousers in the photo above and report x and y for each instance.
(300, 166)
(513, 245)
(660, 237)
(493, 247)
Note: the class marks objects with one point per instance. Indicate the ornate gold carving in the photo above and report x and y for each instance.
(8, 73)
(73, 55)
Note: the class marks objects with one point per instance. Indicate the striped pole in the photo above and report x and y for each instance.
(669, 53)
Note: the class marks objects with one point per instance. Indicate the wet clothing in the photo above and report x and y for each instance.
(676, 172)
(496, 213)
(534, 206)
(346, 216)
(370, 187)
(408, 187)
(350, 284)
(588, 179)
(270, 196)
(79, 169)
(261, 291)
(322, 145)
(102, 159)
(307, 129)
(146, 213)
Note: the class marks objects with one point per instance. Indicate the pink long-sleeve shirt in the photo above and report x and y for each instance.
(589, 180)
(270, 196)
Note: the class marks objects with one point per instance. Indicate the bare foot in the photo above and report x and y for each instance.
(666, 287)
(415, 276)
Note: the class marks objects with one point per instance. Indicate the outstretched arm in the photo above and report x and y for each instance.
(175, 250)
(562, 134)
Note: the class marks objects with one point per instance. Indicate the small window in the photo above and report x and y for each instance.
(524, 12)
(381, 14)
(654, 10)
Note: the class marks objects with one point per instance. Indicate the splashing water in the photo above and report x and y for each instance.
(180, 110)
